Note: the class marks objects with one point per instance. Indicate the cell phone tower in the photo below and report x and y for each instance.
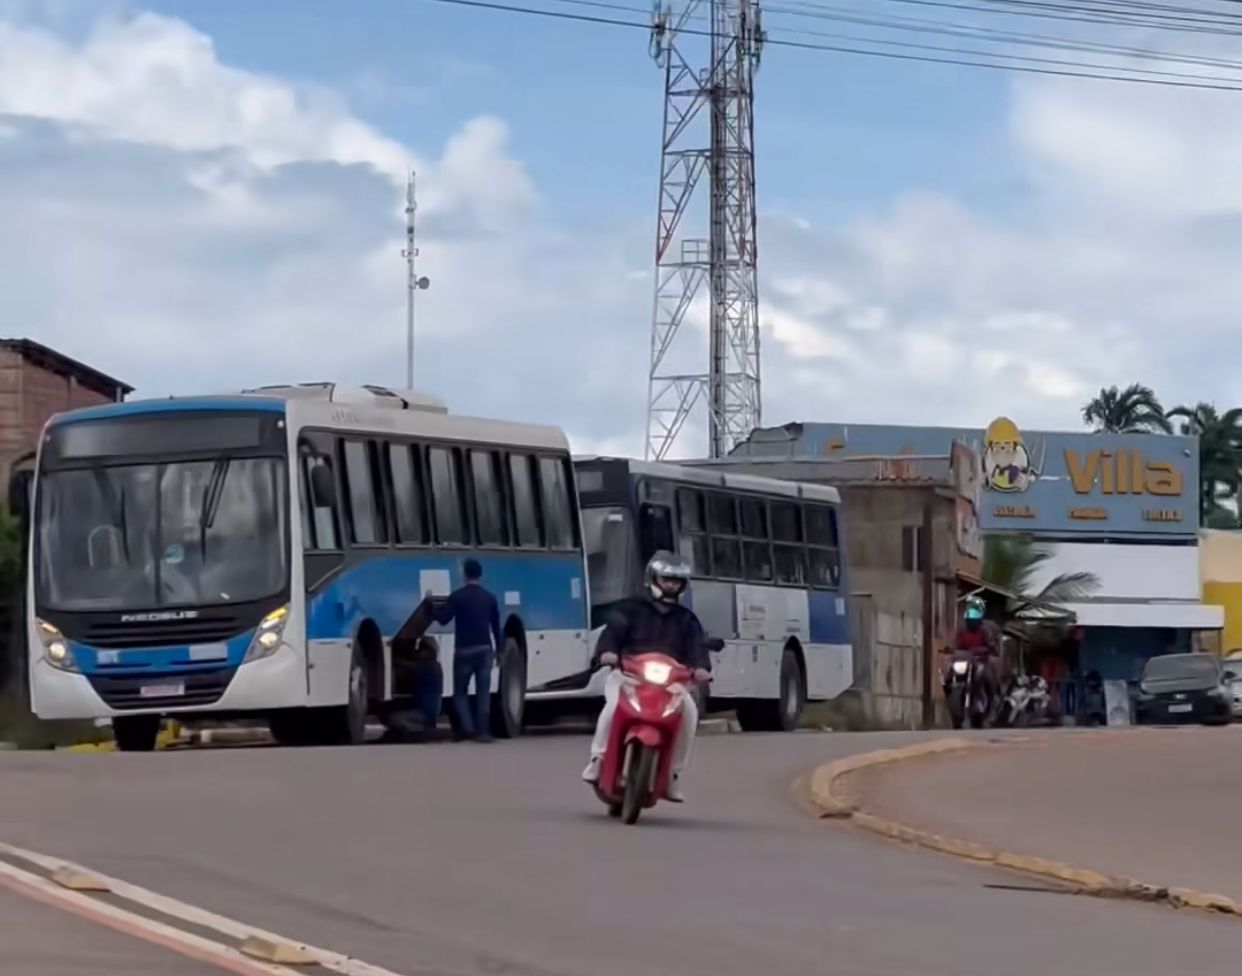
(709, 67)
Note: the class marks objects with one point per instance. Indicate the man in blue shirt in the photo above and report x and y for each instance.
(476, 616)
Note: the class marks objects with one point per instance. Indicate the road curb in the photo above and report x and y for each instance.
(824, 784)
(824, 779)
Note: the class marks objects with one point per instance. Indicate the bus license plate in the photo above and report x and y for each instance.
(174, 689)
(1181, 708)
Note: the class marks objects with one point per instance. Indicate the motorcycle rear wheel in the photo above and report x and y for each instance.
(637, 781)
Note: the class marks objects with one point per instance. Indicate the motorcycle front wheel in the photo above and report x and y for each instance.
(638, 779)
(956, 707)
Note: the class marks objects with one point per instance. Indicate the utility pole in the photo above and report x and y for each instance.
(713, 73)
(413, 282)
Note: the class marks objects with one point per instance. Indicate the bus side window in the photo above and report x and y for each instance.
(756, 539)
(366, 511)
(525, 507)
(693, 543)
(787, 552)
(408, 494)
(447, 495)
(823, 553)
(655, 528)
(489, 499)
(319, 522)
(558, 508)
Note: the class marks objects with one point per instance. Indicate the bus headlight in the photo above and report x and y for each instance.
(56, 649)
(269, 636)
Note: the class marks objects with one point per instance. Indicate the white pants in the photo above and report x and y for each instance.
(685, 738)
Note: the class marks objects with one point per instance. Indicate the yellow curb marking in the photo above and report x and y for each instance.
(75, 880)
(281, 953)
(824, 781)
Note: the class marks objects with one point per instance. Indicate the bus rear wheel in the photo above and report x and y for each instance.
(509, 702)
(136, 733)
(784, 714)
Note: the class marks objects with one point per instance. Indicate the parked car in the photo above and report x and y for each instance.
(1180, 688)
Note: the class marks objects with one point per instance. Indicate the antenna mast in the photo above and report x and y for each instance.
(727, 256)
(413, 282)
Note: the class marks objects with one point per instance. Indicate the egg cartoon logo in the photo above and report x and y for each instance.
(1006, 462)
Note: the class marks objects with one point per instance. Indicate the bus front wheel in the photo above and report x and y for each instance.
(136, 733)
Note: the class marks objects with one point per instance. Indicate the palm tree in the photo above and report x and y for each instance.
(1012, 562)
(1220, 458)
(1134, 410)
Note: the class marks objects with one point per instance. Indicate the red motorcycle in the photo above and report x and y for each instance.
(635, 771)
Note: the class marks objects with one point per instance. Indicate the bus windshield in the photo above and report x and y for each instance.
(137, 536)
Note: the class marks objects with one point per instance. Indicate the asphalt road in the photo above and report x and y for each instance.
(469, 860)
(1159, 805)
(38, 940)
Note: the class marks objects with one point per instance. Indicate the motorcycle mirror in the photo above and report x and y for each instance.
(714, 644)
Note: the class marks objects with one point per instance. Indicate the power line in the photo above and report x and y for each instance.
(1108, 73)
(1068, 14)
(806, 8)
(817, 11)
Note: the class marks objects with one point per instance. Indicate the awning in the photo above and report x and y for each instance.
(1180, 616)
(1023, 607)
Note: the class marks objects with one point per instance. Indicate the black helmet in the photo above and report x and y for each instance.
(667, 576)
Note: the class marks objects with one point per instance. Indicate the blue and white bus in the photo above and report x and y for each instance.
(768, 574)
(253, 555)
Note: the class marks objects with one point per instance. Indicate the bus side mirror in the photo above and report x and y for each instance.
(323, 487)
(19, 495)
(714, 644)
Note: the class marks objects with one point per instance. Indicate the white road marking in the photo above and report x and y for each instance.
(129, 921)
(187, 913)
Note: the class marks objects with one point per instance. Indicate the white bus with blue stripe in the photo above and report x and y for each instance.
(768, 574)
(253, 556)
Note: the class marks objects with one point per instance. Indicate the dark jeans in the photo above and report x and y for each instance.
(429, 692)
(476, 663)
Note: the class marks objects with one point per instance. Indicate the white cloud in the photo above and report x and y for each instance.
(156, 80)
(190, 225)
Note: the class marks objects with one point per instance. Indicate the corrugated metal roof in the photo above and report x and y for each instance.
(934, 470)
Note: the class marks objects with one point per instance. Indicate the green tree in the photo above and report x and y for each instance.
(1013, 562)
(1220, 459)
(1134, 410)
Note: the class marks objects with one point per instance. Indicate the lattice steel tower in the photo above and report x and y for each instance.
(709, 67)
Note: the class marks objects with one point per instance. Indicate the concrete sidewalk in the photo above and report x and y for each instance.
(1160, 806)
(39, 940)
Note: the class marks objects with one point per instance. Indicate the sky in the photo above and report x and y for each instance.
(206, 195)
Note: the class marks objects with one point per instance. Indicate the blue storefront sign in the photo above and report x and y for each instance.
(1045, 483)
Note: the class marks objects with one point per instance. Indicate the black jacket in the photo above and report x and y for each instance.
(638, 626)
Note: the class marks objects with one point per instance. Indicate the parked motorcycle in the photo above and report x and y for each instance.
(1026, 702)
(634, 774)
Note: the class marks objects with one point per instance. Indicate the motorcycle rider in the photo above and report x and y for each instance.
(978, 640)
(655, 622)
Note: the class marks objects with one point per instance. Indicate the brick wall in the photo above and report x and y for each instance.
(29, 396)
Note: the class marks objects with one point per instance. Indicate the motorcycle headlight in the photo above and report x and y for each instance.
(56, 650)
(657, 672)
(961, 667)
(673, 706)
(268, 637)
